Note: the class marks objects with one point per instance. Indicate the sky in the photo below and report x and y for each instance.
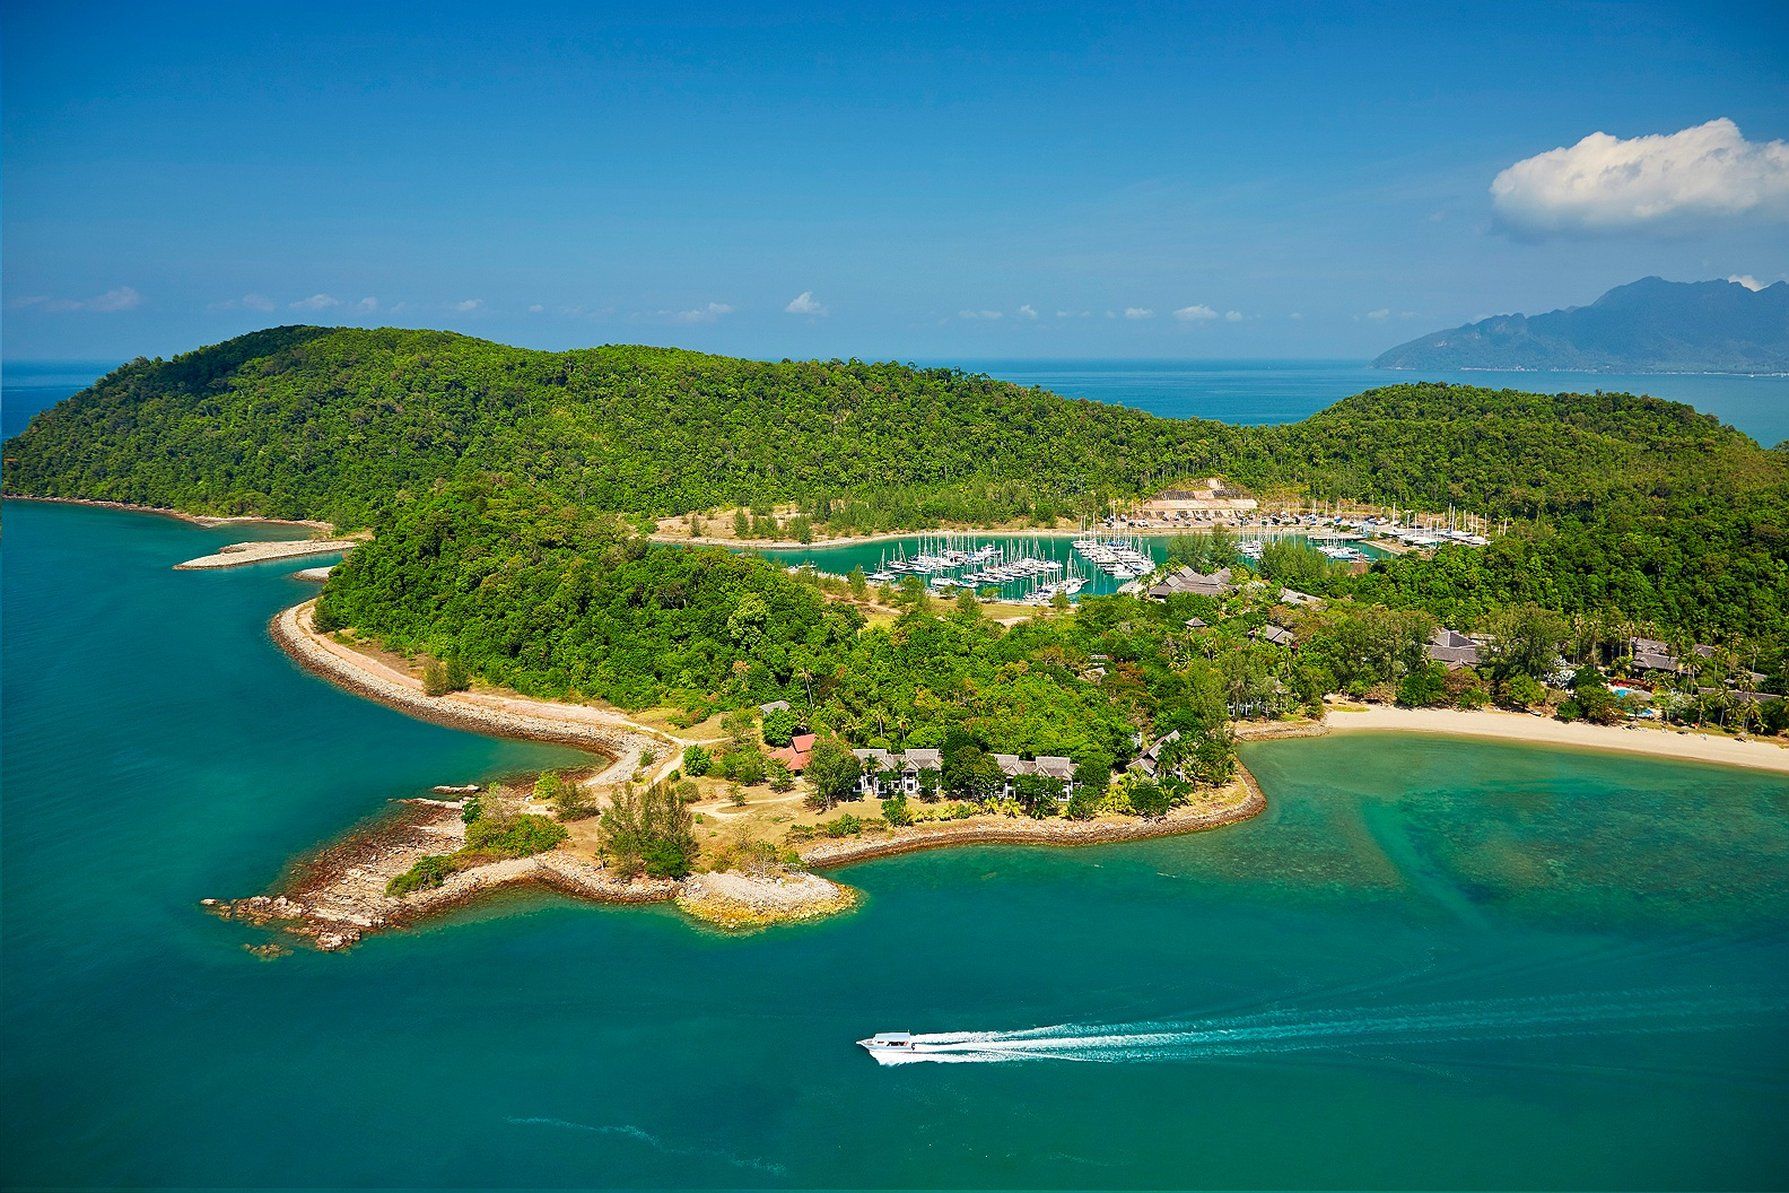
(917, 183)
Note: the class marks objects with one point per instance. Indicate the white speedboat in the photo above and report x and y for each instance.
(890, 1047)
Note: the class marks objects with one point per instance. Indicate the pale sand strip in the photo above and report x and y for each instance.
(238, 554)
(1508, 726)
(608, 733)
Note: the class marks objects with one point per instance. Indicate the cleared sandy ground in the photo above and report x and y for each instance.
(1654, 742)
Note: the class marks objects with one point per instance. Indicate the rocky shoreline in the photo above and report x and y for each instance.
(513, 717)
(828, 854)
(741, 902)
(336, 897)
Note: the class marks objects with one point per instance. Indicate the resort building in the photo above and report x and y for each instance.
(1049, 766)
(1291, 596)
(795, 755)
(1453, 649)
(884, 773)
(1278, 635)
(1649, 654)
(1149, 762)
(1185, 581)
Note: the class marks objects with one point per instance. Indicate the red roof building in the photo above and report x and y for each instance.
(795, 755)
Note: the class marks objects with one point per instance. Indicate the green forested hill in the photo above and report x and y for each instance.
(331, 423)
(1624, 503)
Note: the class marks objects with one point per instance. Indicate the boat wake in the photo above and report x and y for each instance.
(1286, 1031)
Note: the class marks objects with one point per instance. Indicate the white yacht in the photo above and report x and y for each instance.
(890, 1047)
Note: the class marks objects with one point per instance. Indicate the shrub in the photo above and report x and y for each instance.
(697, 761)
(515, 836)
(780, 726)
(428, 873)
(650, 830)
(894, 809)
(744, 766)
(325, 619)
(434, 678)
(1423, 687)
(1149, 800)
(472, 809)
(845, 825)
(1083, 804)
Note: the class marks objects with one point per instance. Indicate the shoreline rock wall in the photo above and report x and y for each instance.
(1035, 832)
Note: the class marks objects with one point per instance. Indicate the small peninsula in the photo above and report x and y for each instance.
(566, 547)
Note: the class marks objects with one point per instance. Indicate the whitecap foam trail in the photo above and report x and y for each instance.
(1264, 1032)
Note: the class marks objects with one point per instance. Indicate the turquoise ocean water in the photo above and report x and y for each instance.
(1429, 964)
(840, 561)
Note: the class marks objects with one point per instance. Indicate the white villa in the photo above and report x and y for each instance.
(907, 766)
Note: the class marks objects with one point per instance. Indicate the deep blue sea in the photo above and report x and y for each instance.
(1278, 391)
(1431, 963)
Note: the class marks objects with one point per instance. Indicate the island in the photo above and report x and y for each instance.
(1648, 326)
(567, 547)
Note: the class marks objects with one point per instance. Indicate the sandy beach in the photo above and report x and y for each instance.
(607, 733)
(239, 554)
(1656, 742)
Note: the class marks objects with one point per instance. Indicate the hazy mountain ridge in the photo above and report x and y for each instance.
(1648, 326)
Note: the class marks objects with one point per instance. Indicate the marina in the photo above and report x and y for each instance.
(1032, 569)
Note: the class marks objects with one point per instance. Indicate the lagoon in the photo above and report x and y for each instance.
(1430, 963)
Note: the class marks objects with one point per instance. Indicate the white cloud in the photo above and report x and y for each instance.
(1381, 313)
(367, 305)
(1296, 315)
(467, 305)
(248, 302)
(1746, 280)
(1197, 313)
(702, 314)
(1232, 316)
(1138, 313)
(1073, 314)
(316, 302)
(979, 314)
(1605, 183)
(119, 298)
(535, 308)
(1028, 311)
(805, 304)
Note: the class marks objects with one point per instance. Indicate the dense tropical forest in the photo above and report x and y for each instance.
(545, 597)
(1625, 507)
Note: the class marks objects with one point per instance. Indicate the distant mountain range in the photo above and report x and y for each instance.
(1648, 326)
